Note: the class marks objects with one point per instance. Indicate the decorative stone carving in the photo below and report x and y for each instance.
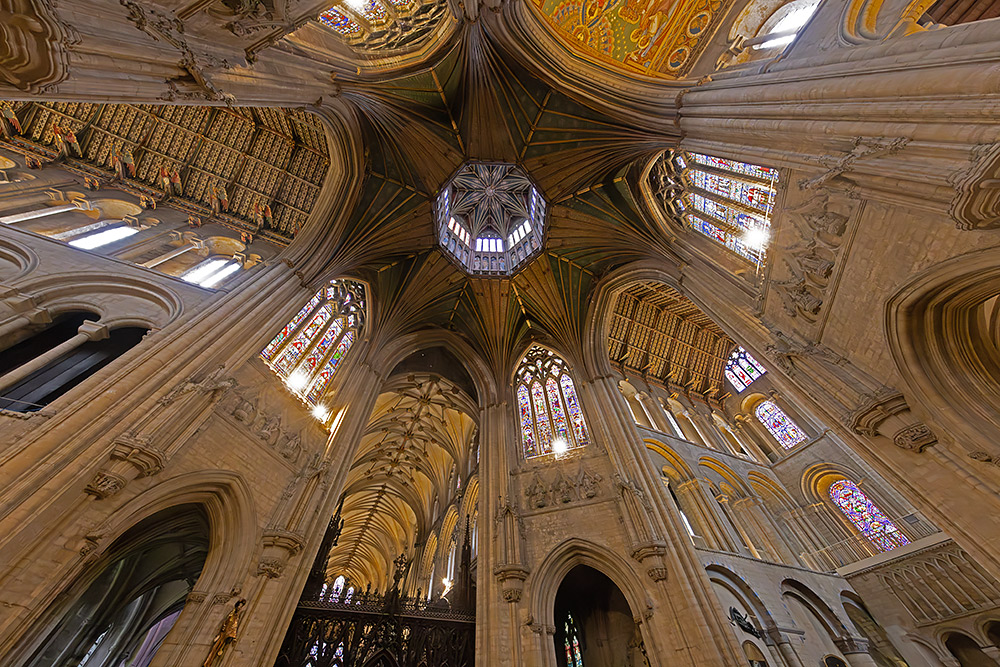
(33, 55)
(196, 598)
(863, 148)
(984, 457)
(105, 485)
(658, 573)
(211, 383)
(562, 489)
(272, 568)
(875, 409)
(511, 578)
(811, 262)
(914, 438)
(849, 645)
(977, 203)
(131, 457)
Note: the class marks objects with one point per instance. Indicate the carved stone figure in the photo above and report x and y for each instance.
(291, 446)
(270, 430)
(537, 493)
(227, 634)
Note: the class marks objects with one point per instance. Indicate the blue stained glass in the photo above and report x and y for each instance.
(866, 517)
(780, 425)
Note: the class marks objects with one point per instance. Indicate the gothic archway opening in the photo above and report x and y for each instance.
(594, 625)
(39, 369)
(968, 653)
(122, 608)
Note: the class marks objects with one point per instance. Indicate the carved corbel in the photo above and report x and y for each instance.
(511, 578)
(886, 413)
(279, 546)
(977, 202)
(132, 457)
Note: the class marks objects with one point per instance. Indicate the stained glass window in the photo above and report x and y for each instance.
(308, 350)
(338, 588)
(742, 369)
(571, 642)
(339, 21)
(729, 201)
(548, 409)
(866, 517)
(774, 419)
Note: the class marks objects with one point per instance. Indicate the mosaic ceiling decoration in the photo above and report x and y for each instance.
(653, 37)
(490, 218)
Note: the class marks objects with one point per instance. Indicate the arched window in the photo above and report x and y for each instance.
(784, 24)
(728, 201)
(548, 409)
(338, 588)
(308, 350)
(774, 419)
(104, 237)
(212, 271)
(571, 641)
(865, 516)
(742, 369)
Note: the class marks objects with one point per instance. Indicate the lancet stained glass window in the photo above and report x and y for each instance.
(781, 426)
(742, 369)
(571, 642)
(866, 517)
(308, 350)
(548, 411)
(729, 201)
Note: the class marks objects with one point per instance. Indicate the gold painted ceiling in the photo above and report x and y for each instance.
(652, 37)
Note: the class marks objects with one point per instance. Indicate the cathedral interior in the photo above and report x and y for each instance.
(455, 333)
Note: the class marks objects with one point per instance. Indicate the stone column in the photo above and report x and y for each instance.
(700, 502)
(788, 654)
(88, 331)
(176, 252)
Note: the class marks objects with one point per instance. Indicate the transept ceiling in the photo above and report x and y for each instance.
(261, 157)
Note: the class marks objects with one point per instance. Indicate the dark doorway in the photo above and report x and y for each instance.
(594, 626)
(123, 607)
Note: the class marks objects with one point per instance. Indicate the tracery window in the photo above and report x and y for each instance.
(571, 642)
(549, 411)
(729, 201)
(307, 352)
(742, 369)
(865, 516)
(383, 24)
(780, 425)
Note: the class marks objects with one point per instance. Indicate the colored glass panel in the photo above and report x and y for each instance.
(527, 432)
(299, 344)
(726, 214)
(542, 425)
(866, 517)
(339, 21)
(290, 327)
(338, 587)
(749, 194)
(575, 413)
(725, 238)
(780, 425)
(374, 12)
(558, 416)
(315, 356)
(322, 380)
(742, 369)
(764, 173)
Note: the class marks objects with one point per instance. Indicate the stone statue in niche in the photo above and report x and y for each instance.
(562, 490)
(245, 411)
(270, 430)
(291, 446)
(587, 483)
(537, 493)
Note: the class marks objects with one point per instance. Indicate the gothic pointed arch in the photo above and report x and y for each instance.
(549, 412)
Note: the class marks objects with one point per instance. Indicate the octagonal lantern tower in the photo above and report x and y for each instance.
(490, 218)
